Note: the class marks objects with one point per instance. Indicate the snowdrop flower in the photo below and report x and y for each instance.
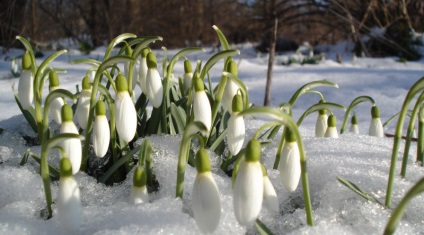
(236, 128)
(231, 87)
(139, 191)
(376, 128)
(354, 125)
(289, 166)
(205, 196)
(125, 114)
(321, 124)
(26, 83)
(83, 107)
(188, 75)
(270, 196)
(68, 199)
(142, 70)
(14, 68)
(72, 146)
(331, 129)
(201, 106)
(56, 105)
(249, 186)
(101, 131)
(154, 88)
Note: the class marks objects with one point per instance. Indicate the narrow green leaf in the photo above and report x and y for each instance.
(25, 158)
(54, 172)
(218, 140)
(222, 38)
(262, 228)
(215, 58)
(179, 117)
(28, 114)
(358, 190)
(93, 62)
(115, 42)
(144, 43)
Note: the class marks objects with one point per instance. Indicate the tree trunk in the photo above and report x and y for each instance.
(267, 99)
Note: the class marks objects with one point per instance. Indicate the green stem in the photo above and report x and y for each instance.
(417, 87)
(398, 212)
(354, 102)
(420, 140)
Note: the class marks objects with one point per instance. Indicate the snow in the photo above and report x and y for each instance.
(361, 159)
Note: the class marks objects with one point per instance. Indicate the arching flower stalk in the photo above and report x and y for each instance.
(142, 70)
(26, 83)
(376, 128)
(139, 191)
(188, 76)
(127, 71)
(231, 87)
(321, 124)
(125, 113)
(56, 104)
(205, 196)
(331, 129)
(236, 127)
(249, 186)
(270, 196)
(354, 125)
(68, 200)
(101, 130)
(289, 166)
(71, 147)
(154, 88)
(201, 105)
(83, 106)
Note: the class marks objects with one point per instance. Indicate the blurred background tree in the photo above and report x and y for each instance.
(377, 27)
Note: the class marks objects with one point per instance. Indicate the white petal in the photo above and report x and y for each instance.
(125, 116)
(202, 109)
(229, 93)
(142, 73)
(321, 125)
(72, 147)
(270, 196)
(83, 108)
(235, 133)
(139, 195)
(55, 109)
(101, 135)
(69, 204)
(206, 202)
(154, 87)
(289, 166)
(376, 128)
(331, 132)
(248, 192)
(187, 81)
(354, 129)
(25, 89)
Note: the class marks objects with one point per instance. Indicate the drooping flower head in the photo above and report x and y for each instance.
(154, 88)
(101, 130)
(205, 196)
(201, 105)
(331, 129)
(68, 199)
(143, 70)
(188, 75)
(354, 128)
(57, 103)
(72, 146)
(125, 113)
(83, 106)
(376, 128)
(249, 186)
(270, 196)
(231, 87)
(139, 191)
(236, 128)
(321, 124)
(289, 165)
(26, 83)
